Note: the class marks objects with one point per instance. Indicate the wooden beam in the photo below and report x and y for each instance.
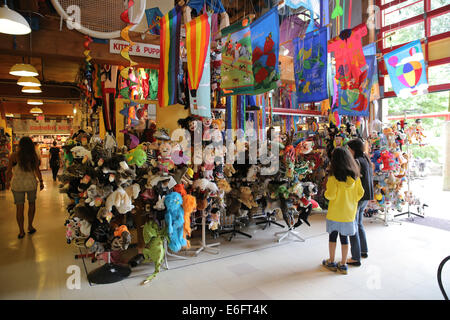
(68, 44)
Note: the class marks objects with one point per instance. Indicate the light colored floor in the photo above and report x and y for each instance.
(402, 264)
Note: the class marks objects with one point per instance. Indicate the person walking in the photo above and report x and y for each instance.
(343, 190)
(55, 160)
(358, 242)
(21, 176)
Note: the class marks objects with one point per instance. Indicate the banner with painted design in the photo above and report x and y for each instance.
(355, 101)
(265, 35)
(371, 50)
(310, 66)
(407, 72)
(236, 68)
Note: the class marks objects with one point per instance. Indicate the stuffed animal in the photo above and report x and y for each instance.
(206, 129)
(175, 221)
(189, 206)
(154, 246)
(136, 156)
(388, 160)
(119, 199)
(122, 238)
(229, 170)
(80, 152)
(246, 197)
(376, 160)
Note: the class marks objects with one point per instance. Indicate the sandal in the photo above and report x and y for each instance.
(342, 268)
(329, 265)
(32, 231)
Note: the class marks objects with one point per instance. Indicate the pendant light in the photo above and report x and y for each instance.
(31, 90)
(34, 102)
(36, 110)
(23, 70)
(29, 82)
(12, 22)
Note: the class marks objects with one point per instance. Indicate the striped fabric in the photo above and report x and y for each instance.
(170, 26)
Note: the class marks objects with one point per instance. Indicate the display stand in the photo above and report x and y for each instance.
(235, 231)
(289, 233)
(386, 219)
(268, 220)
(203, 246)
(168, 254)
(108, 273)
(408, 173)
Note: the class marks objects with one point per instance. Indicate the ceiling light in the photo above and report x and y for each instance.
(34, 102)
(36, 110)
(31, 90)
(9, 115)
(23, 70)
(12, 22)
(29, 82)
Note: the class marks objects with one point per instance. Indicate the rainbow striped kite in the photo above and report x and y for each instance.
(170, 26)
(197, 42)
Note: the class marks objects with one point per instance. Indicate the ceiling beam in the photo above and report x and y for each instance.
(9, 89)
(67, 44)
(53, 109)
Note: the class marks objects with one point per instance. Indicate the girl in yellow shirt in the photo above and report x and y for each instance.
(343, 190)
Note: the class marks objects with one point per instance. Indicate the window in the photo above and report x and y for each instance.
(405, 35)
(439, 74)
(402, 11)
(440, 24)
(438, 3)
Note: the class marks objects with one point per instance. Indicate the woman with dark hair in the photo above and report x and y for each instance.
(55, 160)
(358, 242)
(343, 190)
(23, 169)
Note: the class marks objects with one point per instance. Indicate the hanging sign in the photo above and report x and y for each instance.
(138, 49)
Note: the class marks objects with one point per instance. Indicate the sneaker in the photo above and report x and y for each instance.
(342, 268)
(329, 265)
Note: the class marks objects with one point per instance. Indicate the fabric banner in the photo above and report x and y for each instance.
(370, 50)
(169, 62)
(406, 68)
(265, 35)
(236, 68)
(153, 15)
(197, 48)
(202, 107)
(310, 66)
(355, 102)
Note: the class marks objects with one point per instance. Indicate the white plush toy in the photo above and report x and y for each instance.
(119, 199)
(205, 184)
(133, 190)
(85, 228)
(81, 152)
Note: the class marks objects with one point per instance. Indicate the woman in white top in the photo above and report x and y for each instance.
(21, 175)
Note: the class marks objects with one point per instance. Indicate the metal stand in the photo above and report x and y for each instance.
(288, 233)
(167, 253)
(109, 273)
(386, 218)
(203, 245)
(268, 220)
(235, 231)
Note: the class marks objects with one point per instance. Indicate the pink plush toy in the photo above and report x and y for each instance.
(388, 160)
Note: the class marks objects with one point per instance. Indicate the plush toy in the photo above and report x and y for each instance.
(122, 238)
(189, 206)
(229, 170)
(376, 160)
(165, 162)
(154, 247)
(206, 129)
(208, 163)
(246, 197)
(306, 204)
(136, 156)
(119, 199)
(387, 159)
(175, 221)
(80, 152)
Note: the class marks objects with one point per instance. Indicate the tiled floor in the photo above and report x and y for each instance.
(402, 264)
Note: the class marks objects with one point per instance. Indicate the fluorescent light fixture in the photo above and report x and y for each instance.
(31, 90)
(9, 115)
(28, 82)
(12, 22)
(23, 70)
(35, 102)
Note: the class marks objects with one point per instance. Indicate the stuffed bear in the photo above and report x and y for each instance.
(174, 218)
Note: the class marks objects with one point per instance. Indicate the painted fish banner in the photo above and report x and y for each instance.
(369, 50)
(265, 36)
(355, 102)
(407, 71)
(236, 68)
(310, 66)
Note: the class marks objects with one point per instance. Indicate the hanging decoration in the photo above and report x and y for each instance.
(349, 56)
(236, 68)
(124, 16)
(265, 37)
(368, 50)
(153, 15)
(197, 47)
(406, 68)
(310, 66)
(87, 51)
(169, 63)
(355, 102)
